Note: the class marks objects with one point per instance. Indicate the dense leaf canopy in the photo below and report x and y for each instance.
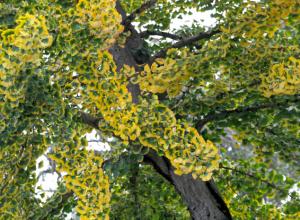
(219, 102)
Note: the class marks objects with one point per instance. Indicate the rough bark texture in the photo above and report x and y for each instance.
(203, 201)
(202, 198)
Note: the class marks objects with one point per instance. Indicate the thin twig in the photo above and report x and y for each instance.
(95, 141)
(185, 42)
(251, 175)
(138, 11)
(146, 34)
(224, 114)
(44, 172)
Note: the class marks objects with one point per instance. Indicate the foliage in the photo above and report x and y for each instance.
(143, 194)
(226, 105)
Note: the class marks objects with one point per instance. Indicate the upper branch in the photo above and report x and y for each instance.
(227, 113)
(127, 20)
(148, 33)
(185, 42)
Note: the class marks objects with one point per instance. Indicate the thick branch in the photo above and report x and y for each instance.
(185, 42)
(90, 120)
(146, 34)
(227, 113)
(127, 20)
(160, 164)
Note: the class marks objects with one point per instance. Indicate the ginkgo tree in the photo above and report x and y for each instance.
(203, 123)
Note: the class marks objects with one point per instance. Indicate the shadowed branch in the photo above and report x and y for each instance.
(227, 113)
(127, 20)
(253, 176)
(185, 42)
(146, 34)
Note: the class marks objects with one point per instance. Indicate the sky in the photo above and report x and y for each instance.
(203, 18)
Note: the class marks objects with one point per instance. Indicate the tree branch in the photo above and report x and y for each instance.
(160, 164)
(201, 197)
(251, 175)
(44, 172)
(185, 42)
(90, 120)
(146, 34)
(227, 113)
(127, 20)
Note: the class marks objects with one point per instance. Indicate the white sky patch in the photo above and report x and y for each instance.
(47, 181)
(94, 142)
(204, 18)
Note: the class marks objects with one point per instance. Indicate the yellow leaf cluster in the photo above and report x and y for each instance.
(250, 26)
(86, 179)
(101, 17)
(110, 95)
(165, 75)
(24, 42)
(21, 47)
(187, 151)
(282, 79)
(268, 18)
(153, 124)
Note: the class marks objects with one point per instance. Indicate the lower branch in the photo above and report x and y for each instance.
(202, 198)
(251, 175)
(227, 113)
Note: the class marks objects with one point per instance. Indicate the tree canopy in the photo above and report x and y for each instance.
(202, 122)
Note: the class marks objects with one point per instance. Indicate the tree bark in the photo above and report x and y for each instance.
(202, 198)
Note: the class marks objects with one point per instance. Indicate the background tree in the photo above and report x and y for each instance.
(199, 102)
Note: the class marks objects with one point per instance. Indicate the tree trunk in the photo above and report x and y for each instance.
(202, 198)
